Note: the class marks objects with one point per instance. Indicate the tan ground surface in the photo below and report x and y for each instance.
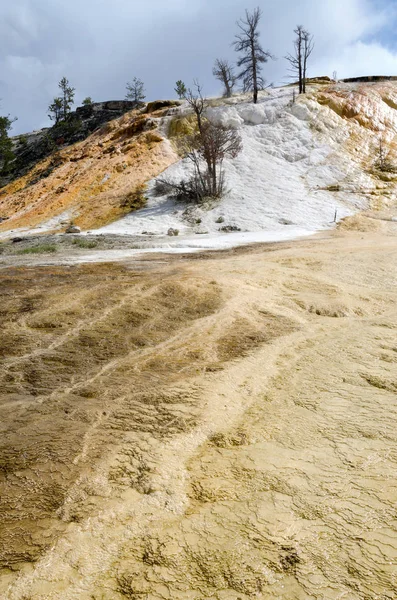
(220, 426)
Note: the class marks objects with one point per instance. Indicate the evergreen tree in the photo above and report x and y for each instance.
(67, 96)
(87, 101)
(136, 91)
(55, 110)
(180, 89)
(6, 152)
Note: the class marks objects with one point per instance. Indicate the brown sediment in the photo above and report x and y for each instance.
(220, 428)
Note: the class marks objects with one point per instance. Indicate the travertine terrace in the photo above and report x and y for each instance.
(219, 426)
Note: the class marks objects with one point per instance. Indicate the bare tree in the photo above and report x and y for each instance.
(303, 47)
(253, 56)
(206, 148)
(308, 46)
(215, 143)
(196, 102)
(224, 72)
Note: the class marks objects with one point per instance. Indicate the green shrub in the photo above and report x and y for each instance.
(42, 249)
(135, 199)
(81, 243)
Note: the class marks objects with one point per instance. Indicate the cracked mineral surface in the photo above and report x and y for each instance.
(215, 426)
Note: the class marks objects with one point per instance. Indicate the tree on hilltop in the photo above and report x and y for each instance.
(61, 106)
(253, 55)
(67, 96)
(303, 48)
(136, 91)
(180, 89)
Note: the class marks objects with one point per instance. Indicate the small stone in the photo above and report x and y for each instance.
(229, 228)
(73, 229)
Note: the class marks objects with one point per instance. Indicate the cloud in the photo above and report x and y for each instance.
(100, 46)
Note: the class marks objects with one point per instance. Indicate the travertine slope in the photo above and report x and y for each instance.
(301, 164)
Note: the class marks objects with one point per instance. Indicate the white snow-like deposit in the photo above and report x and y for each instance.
(276, 187)
(51, 224)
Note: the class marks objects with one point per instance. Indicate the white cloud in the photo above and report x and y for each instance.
(101, 45)
(361, 58)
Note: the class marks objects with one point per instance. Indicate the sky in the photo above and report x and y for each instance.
(100, 45)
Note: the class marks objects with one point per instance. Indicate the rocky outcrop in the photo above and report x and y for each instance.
(369, 78)
(160, 105)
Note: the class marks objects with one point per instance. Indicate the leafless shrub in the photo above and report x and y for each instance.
(206, 149)
(382, 162)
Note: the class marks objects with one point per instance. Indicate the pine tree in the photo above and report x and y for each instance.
(136, 91)
(55, 110)
(6, 152)
(180, 89)
(67, 96)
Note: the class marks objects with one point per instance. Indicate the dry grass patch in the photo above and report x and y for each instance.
(135, 199)
(243, 336)
(359, 222)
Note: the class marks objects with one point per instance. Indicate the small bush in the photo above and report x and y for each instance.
(42, 249)
(81, 243)
(181, 126)
(23, 141)
(135, 199)
(189, 190)
(162, 187)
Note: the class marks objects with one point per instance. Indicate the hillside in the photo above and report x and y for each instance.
(301, 165)
(92, 181)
